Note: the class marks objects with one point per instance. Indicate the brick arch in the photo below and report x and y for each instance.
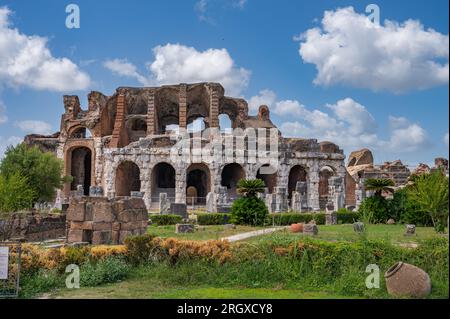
(271, 180)
(297, 173)
(230, 174)
(163, 179)
(74, 128)
(68, 163)
(127, 178)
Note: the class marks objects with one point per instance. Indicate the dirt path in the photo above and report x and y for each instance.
(252, 234)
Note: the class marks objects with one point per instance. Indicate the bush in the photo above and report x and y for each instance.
(285, 219)
(249, 211)
(139, 248)
(345, 216)
(164, 220)
(213, 219)
(374, 209)
(104, 271)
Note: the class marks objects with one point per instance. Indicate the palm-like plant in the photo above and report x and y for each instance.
(379, 185)
(250, 187)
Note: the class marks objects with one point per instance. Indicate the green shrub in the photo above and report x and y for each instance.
(105, 271)
(139, 248)
(213, 219)
(15, 193)
(164, 220)
(345, 216)
(285, 219)
(32, 284)
(374, 209)
(249, 211)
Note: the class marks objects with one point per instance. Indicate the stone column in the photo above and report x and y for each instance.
(180, 185)
(151, 113)
(182, 100)
(313, 187)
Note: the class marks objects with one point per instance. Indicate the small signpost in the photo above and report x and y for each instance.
(10, 260)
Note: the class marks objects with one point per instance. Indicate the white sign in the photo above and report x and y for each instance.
(4, 253)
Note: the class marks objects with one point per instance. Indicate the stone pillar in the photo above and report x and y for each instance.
(182, 100)
(117, 140)
(270, 202)
(281, 200)
(331, 214)
(151, 113)
(360, 193)
(213, 107)
(336, 192)
(180, 185)
(164, 204)
(313, 188)
(211, 202)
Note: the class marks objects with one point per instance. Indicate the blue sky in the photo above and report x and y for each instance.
(327, 76)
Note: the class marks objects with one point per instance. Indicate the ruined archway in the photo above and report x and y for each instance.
(297, 174)
(81, 168)
(231, 175)
(269, 175)
(128, 179)
(325, 174)
(198, 178)
(81, 133)
(163, 181)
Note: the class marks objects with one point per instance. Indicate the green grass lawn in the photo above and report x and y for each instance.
(394, 234)
(204, 232)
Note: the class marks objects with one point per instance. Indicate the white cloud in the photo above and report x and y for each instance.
(351, 126)
(3, 117)
(35, 127)
(27, 61)
(446, 139)
(176, 63)
(351, 50)
(203, 8)
(264, 97)
(125, 68)
(9, 141)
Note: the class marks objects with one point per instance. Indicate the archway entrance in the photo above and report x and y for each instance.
(128, 179)
(231, 175)
(198, 179)
(80, 168)
(325, 174)
(163, 181)
(269, 175)
(297, 174)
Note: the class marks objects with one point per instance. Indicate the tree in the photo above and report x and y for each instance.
(42, 171)
(429, 193)
(15, 193)
(250, 187)
(379, 185)
(249, 209)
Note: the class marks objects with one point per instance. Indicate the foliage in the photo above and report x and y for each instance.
(109, 270)
(15, 193)
(164, 220)
(374, 209)
(402, 209)
(429, 193)
(43, 171)
(285, 219)
(250, 187)
(249, 211)
(345, 216)
(379, 185)
(213, 219)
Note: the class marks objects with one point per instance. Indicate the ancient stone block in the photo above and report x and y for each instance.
(179, 209)
(184, 228)
(310, 229)
(358, 227)
(331, 218)
(75, 235)
(101, 237)
(410, 230)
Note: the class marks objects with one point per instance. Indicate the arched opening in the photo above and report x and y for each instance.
(225, 122)
(81, 133)
(80, 168)
(198, 183)
(128, 179)
(325, 174)
(231, 175)
(269, 175)
(137, 128)
(197, 125)
(163, 181)
(139, 125)
(297, 174)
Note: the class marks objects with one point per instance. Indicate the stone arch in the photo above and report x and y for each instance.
(163, 180)
(231, 175)
(225, 122)
(325, 173)
(269, 175)
(128, 178)
(79, 165)
(298, 173)
(198, 176)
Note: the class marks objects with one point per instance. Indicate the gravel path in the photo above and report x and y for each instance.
(252, 234)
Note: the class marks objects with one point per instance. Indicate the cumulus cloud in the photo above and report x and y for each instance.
(36, 127)
(264, 97)
(176, 63)
(350, 50)
(351, 126)
(27, 61)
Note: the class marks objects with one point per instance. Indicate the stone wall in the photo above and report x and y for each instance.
(99, 220)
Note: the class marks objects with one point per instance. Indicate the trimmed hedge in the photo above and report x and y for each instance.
(347, 217)
(213, 219)
(285, 219)
(164, 220)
